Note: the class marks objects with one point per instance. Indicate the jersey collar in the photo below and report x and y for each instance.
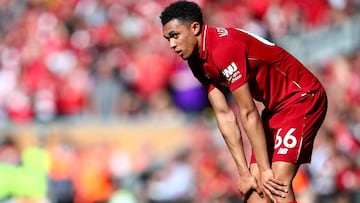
(203, 50)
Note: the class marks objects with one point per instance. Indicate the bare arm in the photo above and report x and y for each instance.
(254, 130)
(252, 125)
(230, 130)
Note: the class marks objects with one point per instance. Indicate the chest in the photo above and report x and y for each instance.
(213, 73)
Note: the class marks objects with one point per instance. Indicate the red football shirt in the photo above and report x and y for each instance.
(230, 57)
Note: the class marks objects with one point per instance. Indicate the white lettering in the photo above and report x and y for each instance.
(283, 151)
(228, 71)
(222, 32)
(231, 72)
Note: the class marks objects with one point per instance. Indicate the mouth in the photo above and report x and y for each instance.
(179, 53)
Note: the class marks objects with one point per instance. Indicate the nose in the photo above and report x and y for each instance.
(172, 44)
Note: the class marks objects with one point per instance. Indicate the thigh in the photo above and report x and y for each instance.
(284, 136)
(284, 172)
(290, 133)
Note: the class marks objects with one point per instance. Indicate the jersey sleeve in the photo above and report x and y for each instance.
(230, 57)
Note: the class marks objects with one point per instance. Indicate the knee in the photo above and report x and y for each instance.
(284, 172)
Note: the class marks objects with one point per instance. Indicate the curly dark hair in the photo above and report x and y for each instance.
(185, 11)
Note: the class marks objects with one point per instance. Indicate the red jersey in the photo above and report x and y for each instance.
(230, 57)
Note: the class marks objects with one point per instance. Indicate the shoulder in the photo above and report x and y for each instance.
(223, 46)
(224, 41)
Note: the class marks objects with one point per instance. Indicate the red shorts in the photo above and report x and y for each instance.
(290, 133)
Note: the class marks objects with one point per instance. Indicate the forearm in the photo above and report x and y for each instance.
(230, 130)
(254, 130)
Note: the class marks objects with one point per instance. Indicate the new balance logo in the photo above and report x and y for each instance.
(231, 72)
(283, 151)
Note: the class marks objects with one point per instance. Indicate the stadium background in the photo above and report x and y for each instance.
(95, 107)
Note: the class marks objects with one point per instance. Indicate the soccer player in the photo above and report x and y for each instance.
(232, 60)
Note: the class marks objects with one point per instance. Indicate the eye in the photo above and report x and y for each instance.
(174, 35)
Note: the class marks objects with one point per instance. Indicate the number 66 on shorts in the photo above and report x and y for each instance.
(290, 133)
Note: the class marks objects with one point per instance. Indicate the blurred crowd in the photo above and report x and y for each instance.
(105, 59)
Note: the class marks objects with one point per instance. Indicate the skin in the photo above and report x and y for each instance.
(285, 173)
(185, 40)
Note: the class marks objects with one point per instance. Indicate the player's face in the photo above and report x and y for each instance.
(182, 37)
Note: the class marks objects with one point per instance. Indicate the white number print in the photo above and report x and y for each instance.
(289, 139)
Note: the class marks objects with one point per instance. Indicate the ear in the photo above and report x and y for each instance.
(196, 28)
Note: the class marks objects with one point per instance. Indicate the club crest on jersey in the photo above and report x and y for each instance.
(222, 32)
(232, 73)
